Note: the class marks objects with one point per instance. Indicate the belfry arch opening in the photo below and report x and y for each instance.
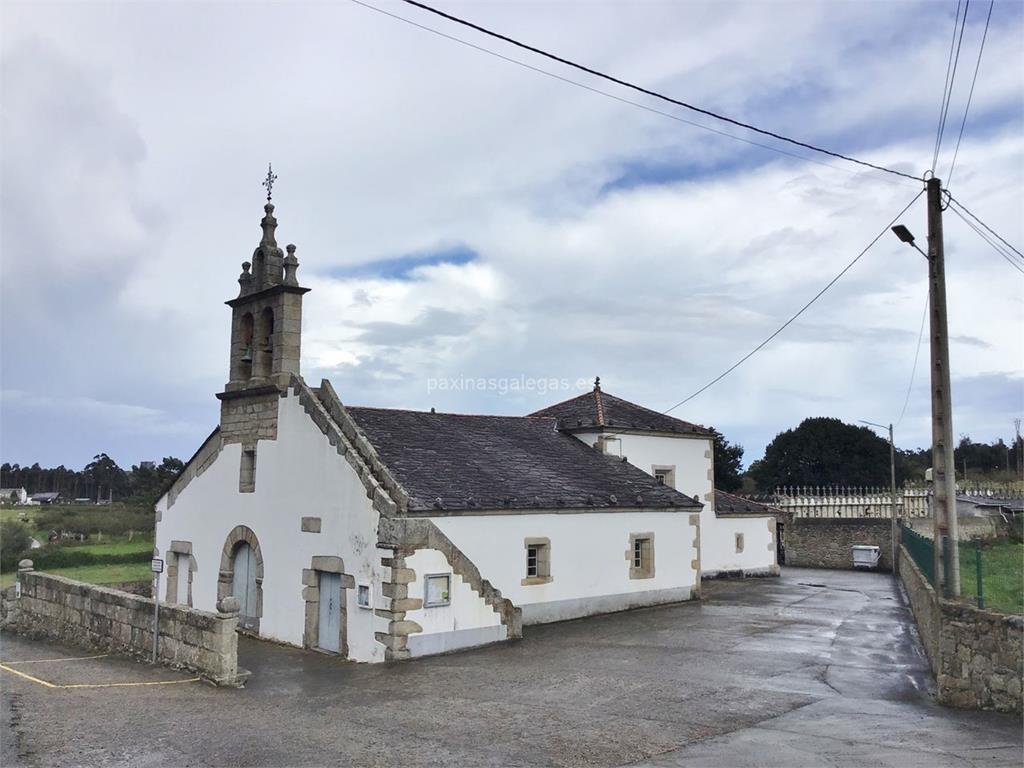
(245, 362)
(264, 360)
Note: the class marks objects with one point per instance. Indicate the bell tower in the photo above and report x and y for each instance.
(266, 331)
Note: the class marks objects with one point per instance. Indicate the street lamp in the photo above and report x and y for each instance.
(904, 234)
(892, 479)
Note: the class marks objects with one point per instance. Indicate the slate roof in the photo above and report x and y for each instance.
(599, 409)
(1013, 504)
(503, 462)
(730, 504)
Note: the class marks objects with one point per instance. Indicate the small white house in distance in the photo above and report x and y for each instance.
(13, 496)
(384, 534)
(680, 455)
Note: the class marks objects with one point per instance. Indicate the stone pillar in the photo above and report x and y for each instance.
(225, 644)
(396, 639)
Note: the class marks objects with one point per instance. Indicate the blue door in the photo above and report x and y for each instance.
(329, 632)
(243, 585)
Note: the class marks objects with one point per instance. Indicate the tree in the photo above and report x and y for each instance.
(728, 464)
(14, 541)
(824, 451)
(107, 478)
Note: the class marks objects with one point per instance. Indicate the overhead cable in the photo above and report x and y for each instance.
(917, 354)
(799, 312)
(970, 95)
(957, 204)
(608, 94)
(947, 86)
(647, 91)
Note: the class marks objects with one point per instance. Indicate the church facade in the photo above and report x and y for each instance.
(381, 534)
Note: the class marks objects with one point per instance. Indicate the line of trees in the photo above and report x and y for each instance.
(100, 479)
(826, 451)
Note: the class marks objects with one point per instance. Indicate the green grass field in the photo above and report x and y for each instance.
(116, 547)
(95, 574)
(1002, 575)
(108, 536)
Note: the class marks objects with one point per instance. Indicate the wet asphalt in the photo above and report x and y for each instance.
(816, 668)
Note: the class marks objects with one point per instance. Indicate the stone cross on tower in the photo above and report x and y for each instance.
(269, 181)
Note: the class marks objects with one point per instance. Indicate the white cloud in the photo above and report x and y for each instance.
(142, 130)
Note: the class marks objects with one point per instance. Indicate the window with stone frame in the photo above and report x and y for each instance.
(665, 475)
(641, 556)
(538, 561)
(739, 543)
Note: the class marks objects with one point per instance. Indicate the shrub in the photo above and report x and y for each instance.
(110, 520)
(55, 556)
(14, 542)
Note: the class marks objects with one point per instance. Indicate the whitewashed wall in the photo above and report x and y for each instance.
(589, 564)
(694, 476)
(298, 475)
(466, 621)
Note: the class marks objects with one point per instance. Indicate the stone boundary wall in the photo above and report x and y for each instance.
(976, 655)
(826, 542)
(94, 617)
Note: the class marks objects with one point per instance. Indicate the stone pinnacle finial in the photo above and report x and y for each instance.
(290, 265)
(269, 181)
(597, 383)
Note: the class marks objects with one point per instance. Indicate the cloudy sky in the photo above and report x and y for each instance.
(461, 217)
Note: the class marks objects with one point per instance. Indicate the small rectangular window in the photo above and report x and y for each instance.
(641, 556)
(437, 590)
(363, 596)
(739, 543)
(664, 475)
(538, 561)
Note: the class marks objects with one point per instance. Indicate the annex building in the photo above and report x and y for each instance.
(384, 534)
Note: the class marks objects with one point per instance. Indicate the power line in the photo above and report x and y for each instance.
(970, 95)
(799, 312)
(600, 92)
(648, 92)
(946, 90)
(917, 354)
(957, 204)
(995, 246)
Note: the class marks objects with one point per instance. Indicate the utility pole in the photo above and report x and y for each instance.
(892, 481)
(892, 490)
(943, 467)
(1018, 453)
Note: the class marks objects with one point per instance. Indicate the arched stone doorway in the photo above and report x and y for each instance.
(241, 575)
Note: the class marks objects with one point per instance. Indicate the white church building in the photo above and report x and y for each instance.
(383, 534)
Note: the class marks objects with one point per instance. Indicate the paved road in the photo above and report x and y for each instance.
(817, 668)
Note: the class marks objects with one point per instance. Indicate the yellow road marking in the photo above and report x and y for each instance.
(46, 684)
(27, 677)
(129, 685)
(70, 658)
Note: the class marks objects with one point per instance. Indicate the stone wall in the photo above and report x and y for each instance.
(826, 542)
(976, 655)
(91, 616)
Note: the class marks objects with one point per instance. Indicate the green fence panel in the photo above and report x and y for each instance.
(979, 575)
(921, 549)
